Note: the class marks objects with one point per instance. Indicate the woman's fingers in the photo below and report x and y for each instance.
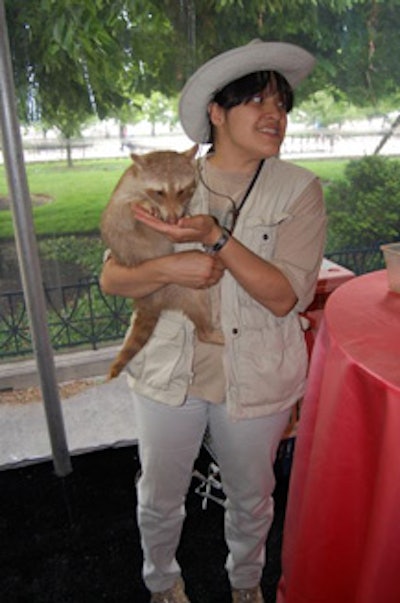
(187, 229)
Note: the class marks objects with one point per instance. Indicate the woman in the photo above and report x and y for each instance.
(261, 263)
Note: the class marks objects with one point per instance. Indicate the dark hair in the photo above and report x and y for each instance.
(243, 89)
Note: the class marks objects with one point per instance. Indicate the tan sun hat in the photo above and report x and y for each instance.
(292, 61)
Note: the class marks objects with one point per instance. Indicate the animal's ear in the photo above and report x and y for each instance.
(190, 153)
(138, 159)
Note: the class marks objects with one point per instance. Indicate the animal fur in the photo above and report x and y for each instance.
(163, 182)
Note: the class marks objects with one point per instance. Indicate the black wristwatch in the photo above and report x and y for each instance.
(219, 244)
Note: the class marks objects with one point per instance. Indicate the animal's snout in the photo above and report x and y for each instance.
(171, 218)
(172, 210)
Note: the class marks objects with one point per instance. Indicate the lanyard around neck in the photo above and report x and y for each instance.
(239, 208)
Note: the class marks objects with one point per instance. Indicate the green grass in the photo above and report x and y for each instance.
(328, 170)
(79, 194)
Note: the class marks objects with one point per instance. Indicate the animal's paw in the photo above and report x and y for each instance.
(150, 208)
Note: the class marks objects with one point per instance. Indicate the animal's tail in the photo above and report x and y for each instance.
(137, 336)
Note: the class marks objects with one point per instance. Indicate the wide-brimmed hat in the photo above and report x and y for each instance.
(293, 62)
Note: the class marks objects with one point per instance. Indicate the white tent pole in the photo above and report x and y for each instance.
(28, 256)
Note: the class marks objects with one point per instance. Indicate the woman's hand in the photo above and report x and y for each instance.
(201, 228)
(194, 269)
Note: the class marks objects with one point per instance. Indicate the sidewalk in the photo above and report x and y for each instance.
(69, 366)
(99, 417)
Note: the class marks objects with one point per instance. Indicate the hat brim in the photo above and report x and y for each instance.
(292, 61)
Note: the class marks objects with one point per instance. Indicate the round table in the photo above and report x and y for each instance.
(342, 530)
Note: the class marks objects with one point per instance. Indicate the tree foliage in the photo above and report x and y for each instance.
(157, 108)
(61, 54)
(73, 58)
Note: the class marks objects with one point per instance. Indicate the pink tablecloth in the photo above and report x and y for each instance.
(342, 531)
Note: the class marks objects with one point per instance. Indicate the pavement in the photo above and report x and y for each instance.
(99, 417)
(318, 144)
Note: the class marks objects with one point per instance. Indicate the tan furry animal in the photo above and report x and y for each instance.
(163, 182)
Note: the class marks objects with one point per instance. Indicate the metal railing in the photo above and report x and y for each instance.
(80, 315)
(360, 261)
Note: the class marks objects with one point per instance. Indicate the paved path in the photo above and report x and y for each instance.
(100, 417)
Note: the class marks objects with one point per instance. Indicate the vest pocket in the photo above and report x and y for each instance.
(166, 360)
(270, 365)
(259, 234)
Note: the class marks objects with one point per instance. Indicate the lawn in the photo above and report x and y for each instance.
(78, 195)
(328, 170)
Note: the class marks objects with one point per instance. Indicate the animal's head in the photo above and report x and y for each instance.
(167, 181)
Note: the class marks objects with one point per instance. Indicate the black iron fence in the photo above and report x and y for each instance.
(359, 261)
(80, 315)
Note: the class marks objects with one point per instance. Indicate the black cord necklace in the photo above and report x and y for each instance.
(236, 209)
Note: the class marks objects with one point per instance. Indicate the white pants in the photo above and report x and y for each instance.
(169, 442)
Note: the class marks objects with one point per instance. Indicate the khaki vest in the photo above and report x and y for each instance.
(265, 357)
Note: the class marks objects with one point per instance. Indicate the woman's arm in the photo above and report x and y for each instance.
(192, 269)
(261, 279)
(299, 253)
(291, 276)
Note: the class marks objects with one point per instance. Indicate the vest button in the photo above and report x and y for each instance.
(265, 236)
(235, 331)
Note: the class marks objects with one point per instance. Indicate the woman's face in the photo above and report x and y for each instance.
(252, 130)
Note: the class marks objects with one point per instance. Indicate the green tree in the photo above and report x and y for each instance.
(157, 108)
(323, 109)
(107, 51)
(73, 60)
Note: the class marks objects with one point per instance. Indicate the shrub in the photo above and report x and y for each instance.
(364, 208)
(83, 251)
